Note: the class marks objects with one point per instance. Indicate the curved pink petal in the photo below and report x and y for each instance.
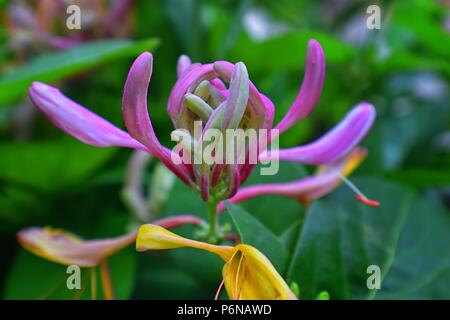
(178, 221)
(137, 120)
(78, 121)
(183, 64)
(218, 84)
(65, 248)
(189, 79)
(236, 102)
(311, 87)
(290, 189)
(262, 107)
(335, 144)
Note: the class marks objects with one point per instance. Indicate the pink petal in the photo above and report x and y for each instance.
(178, 221)
(184, 65)
(137, 120)
(335, 144)
(311, 87)
(189, 79)
(291, 189)
(261, 106)
(63, 247)
(78, 121)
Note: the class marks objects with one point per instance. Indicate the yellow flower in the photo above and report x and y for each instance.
(247, 274)
(66, 248)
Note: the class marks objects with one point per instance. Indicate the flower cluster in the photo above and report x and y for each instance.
(217, 96)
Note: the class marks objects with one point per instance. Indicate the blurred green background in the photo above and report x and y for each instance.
(48, 178)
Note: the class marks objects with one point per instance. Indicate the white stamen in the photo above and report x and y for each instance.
(349, 183)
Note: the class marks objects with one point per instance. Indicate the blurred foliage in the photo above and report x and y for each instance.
(403, 69)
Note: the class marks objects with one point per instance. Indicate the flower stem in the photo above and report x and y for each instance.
(93, 283)
(212, 217)
(106, 280)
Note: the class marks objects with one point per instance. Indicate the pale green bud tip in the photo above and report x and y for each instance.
(238, 96)
(202, 90)
(198, 106)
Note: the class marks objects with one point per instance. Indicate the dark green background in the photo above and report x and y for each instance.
(403, 69)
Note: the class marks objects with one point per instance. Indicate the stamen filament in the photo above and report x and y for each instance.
(216, 297)
(358, 194)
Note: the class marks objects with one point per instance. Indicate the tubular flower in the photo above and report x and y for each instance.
(199, 102)
(247, 274)
(66, 248)
(326, 179)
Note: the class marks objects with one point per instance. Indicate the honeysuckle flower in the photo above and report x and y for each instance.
(66, 248)
(247, 273)
(201, 100)
(326, 179)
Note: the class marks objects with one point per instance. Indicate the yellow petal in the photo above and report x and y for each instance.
(353, 160)
(63, 247)
(249, 275)
(153, 237)
(347, 164)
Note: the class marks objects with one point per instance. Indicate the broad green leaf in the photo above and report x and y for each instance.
(421, 268)
(406, 237)
(421, 177)
(47, 166)
(32, 277)
(254, 233)
(422, 22)
(54, 66)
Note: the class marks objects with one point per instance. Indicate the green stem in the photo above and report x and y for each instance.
(212, 216)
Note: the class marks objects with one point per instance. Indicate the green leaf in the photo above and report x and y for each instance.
(32, 277)
(421, 268)
(406, 237)
(254, 233)
(47, 166)
(421, 177)
(54, 66)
